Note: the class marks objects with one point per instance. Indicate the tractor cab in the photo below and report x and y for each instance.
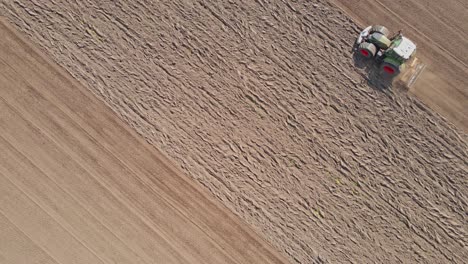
(401, 48)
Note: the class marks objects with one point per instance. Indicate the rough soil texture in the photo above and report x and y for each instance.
(261, 103)
(78, 186)
(440, 30)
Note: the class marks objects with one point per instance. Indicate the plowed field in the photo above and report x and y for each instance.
(78, 186)
(260, 102)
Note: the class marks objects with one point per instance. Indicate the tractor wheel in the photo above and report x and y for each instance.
(381, 29)
(367, 50)
(389, 69)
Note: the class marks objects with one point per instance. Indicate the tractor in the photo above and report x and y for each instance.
(392, 53)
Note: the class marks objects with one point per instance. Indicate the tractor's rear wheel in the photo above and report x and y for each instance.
(367, 50)
(381, 29)
(390, 69)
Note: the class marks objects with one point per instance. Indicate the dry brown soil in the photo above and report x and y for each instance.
(440, 30)
(260, 101)
(78, 186)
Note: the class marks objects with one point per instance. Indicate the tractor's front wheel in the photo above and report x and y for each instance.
(390, 69)
(367, 50)
(380, 29)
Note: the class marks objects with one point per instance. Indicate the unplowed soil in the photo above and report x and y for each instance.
(78, 186)
(261, 102)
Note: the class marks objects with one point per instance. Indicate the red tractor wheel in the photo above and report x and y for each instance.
(364, 53)
(367, 50)
(390, 69)
(380, 29)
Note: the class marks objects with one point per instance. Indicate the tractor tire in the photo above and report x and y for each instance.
(389, 69)
(381, 29)
(367, 50)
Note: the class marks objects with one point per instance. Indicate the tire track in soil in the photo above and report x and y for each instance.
(259, 101)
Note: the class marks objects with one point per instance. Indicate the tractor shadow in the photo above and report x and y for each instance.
(372, 73)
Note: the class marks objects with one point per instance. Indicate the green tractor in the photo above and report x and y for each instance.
(394, 54)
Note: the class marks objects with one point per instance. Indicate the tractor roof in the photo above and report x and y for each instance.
(405, 48)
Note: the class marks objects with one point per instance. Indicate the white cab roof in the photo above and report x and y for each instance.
(406, 48)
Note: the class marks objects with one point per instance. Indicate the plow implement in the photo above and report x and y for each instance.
(411, 73)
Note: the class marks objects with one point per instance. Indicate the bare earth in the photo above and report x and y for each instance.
(261, 103)
(77, 186)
